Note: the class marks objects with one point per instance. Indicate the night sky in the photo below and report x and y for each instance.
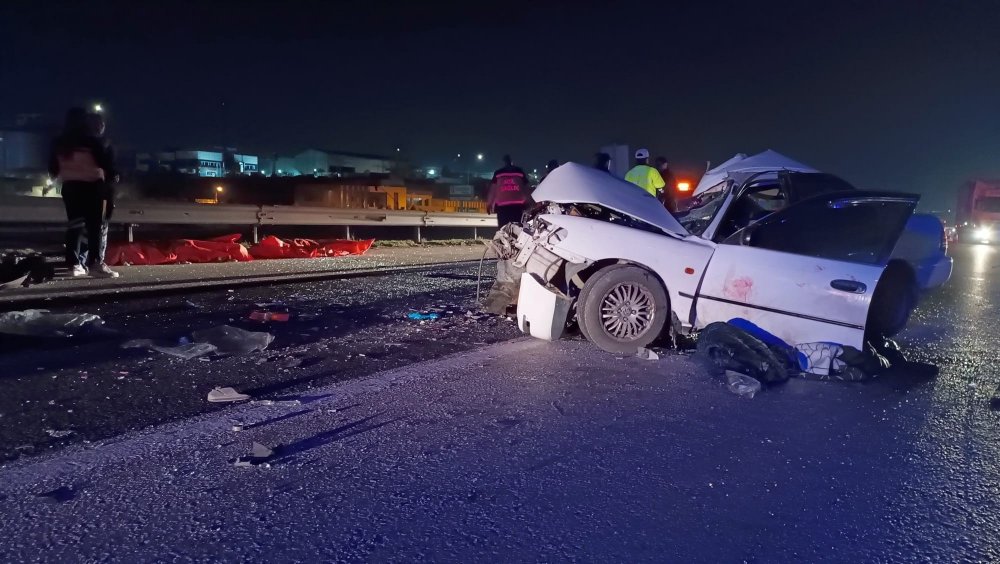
(896, 95)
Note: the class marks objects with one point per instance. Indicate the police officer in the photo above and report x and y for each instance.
(645, 176)
(509, 193)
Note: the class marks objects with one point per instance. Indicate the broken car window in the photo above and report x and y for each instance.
(756, 202)
(862, 230)
(701, 212)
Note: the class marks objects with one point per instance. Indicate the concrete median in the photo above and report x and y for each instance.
(149, 280)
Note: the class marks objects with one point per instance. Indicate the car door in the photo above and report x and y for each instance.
(806, 273)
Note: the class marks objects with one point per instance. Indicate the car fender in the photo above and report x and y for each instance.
(921, 245)
(678, 262)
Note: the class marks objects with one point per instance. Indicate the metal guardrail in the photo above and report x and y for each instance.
(22, 209)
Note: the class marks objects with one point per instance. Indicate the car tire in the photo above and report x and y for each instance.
(893, 301)
(622, 308)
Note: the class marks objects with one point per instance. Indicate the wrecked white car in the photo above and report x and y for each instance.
(803, 255)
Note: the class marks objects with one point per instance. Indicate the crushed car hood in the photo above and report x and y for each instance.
(574, 183)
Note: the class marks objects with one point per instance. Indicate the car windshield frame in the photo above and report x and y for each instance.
(700, 216)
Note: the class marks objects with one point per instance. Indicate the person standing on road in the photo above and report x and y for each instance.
(97, 126)
(602, 161)
(645, 176)
(83, 164)
(668, 197)
(509, 193)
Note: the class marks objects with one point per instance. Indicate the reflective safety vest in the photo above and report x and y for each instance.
(647, 178)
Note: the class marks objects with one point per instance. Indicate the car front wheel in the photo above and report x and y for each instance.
(622, 308)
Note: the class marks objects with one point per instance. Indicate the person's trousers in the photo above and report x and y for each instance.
(87, 215)
(510, 213)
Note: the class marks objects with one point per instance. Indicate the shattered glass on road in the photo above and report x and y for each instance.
(339, 329)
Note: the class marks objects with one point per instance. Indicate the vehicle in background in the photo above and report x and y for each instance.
(978, 212)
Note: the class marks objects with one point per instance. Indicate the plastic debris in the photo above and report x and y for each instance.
(742, 385)
(259, 455)
(59, 433)
(185, 351)
(226, 395)
(23, 268)
(418, 316)
(265, 316)
(15, 283)
(43, 323)
(277, 402)
(646, 354)
(233, 340)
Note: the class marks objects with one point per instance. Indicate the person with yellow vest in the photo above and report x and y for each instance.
(645, 176)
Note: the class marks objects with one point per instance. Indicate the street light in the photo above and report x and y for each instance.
(479, 157)
(98, 108)
(218, 190)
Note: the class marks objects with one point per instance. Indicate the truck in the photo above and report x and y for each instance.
(978, 211)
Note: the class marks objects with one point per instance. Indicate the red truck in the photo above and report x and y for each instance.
(978, 211)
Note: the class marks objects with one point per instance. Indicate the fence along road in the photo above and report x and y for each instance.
(41, 211)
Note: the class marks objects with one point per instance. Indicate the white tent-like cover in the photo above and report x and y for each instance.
(768, 160)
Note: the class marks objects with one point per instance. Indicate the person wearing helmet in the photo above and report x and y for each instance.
(645, 176)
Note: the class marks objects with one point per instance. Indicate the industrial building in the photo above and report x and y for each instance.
(315, 162)
(208, 164)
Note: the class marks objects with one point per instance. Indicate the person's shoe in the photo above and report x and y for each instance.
(102, 271)
(76, 271)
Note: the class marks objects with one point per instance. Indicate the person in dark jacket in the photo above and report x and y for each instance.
(510, 193)
(83, 163)
(668, 196)
(603, 162)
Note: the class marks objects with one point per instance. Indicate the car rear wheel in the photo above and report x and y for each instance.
(893, 301)
(622, 308)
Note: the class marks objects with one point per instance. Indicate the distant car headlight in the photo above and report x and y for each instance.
(983, 234)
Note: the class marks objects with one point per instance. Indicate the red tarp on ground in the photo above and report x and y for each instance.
(228, 249)
(271, 247)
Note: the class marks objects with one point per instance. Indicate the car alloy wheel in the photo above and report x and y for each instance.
(622, 307)
(627, 311)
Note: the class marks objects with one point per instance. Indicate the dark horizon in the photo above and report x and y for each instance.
(899, 95)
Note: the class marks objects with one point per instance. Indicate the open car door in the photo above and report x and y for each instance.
(806, 273)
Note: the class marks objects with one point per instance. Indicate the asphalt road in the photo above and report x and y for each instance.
(526, 451)
(88, 388)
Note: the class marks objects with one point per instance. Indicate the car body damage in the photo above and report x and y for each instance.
(807, 258)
